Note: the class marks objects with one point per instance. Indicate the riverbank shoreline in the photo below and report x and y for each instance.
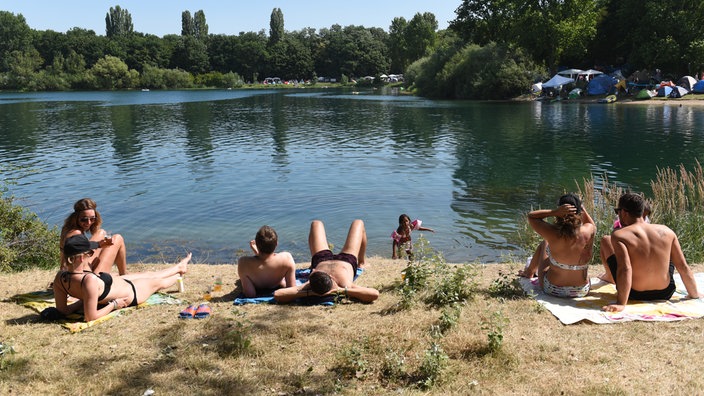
(348, 349)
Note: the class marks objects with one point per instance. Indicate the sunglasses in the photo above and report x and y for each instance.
(86, 219)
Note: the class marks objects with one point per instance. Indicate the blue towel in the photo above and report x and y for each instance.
(267, 296)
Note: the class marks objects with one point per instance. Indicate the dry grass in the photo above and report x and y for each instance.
(346, 349)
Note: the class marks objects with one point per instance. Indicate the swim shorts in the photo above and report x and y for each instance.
(647, 295)
(326, 255)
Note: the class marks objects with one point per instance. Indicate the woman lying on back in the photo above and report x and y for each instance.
(101, 293)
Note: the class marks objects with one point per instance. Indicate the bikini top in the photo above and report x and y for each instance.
(564, 266)
(104, 276)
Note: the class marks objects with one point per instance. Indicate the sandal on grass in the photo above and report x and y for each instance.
(202, 312)
(188, 313)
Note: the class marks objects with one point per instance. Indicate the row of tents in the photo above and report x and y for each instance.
(668, 89)
(599, 83)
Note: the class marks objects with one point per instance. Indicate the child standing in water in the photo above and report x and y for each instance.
(401, 237)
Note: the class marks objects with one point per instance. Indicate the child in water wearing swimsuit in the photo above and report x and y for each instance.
(401, 237)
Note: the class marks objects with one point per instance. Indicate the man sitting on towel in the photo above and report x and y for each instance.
(645, 258)
(265, 270)
(333, 273)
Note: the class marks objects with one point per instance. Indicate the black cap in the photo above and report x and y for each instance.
(78, 244)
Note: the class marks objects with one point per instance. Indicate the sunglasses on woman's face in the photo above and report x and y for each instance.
(86, 219)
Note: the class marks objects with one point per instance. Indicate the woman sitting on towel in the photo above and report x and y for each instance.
(85, 220)
(101, 293)
(563, 258)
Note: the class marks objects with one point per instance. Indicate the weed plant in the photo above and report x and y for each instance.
(6, 350)
(494, 325)
(429, 278)
(434, 362)
(238, 340)
(506, 286)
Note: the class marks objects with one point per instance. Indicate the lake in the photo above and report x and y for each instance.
(201, 171)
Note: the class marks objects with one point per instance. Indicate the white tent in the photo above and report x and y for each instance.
(591, 72)
(557, 81)
(571, 73)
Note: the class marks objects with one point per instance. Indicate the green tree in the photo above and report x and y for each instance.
(200, 27)
(87, 44)
(118, 22)
(420, 35)
(551, 31)
(397, 45)
(191, 54)
(187, 25)
(15, 35)
(23, 67)
(276, 26)
(112, 73)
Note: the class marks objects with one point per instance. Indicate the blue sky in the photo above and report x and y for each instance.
(162, 17)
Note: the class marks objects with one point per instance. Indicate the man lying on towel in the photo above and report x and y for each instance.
(644, 258)
(332, 273)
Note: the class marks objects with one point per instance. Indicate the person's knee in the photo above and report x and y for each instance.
(358, 223)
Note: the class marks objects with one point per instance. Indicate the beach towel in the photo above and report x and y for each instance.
(301, 278)
(588, 308)
(40, 300)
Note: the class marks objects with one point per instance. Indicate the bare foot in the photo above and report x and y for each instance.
(183, 264)
(526, 273)
(606, 277)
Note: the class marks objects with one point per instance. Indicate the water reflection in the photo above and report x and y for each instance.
(203, 170)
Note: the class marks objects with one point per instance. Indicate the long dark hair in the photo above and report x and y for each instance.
(569, 224)
(400, 223)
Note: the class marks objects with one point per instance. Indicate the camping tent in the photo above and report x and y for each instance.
(645, 94)
(664, 91)
(698, 87)
(678, 92)
(601, 85)
(557, 81)
(571, 73)
(536, 88)
(575, 93)
(687, 82)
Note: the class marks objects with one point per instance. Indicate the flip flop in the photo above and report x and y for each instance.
(188, 313)
(202, 312)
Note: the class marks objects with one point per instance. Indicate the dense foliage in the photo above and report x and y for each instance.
(25, 241)
(124, 58)
(521, 41)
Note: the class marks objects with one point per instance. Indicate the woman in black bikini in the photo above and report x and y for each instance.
(102, 293)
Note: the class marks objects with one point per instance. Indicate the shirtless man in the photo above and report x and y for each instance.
(645, 258)
(266, 269)
(333, 273)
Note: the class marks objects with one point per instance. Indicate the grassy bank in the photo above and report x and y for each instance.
(346, 349)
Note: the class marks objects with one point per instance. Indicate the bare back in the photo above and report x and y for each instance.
(649, 249)
(266, 272)
(571, 251)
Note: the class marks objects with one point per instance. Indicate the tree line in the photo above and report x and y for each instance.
(493, 49)
(123, 58)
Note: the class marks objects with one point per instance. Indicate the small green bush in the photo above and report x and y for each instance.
(25, 241)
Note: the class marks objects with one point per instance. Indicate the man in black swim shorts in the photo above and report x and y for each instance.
(333, 273)
(645, 257)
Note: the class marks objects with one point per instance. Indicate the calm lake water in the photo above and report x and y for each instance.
(203, 170)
